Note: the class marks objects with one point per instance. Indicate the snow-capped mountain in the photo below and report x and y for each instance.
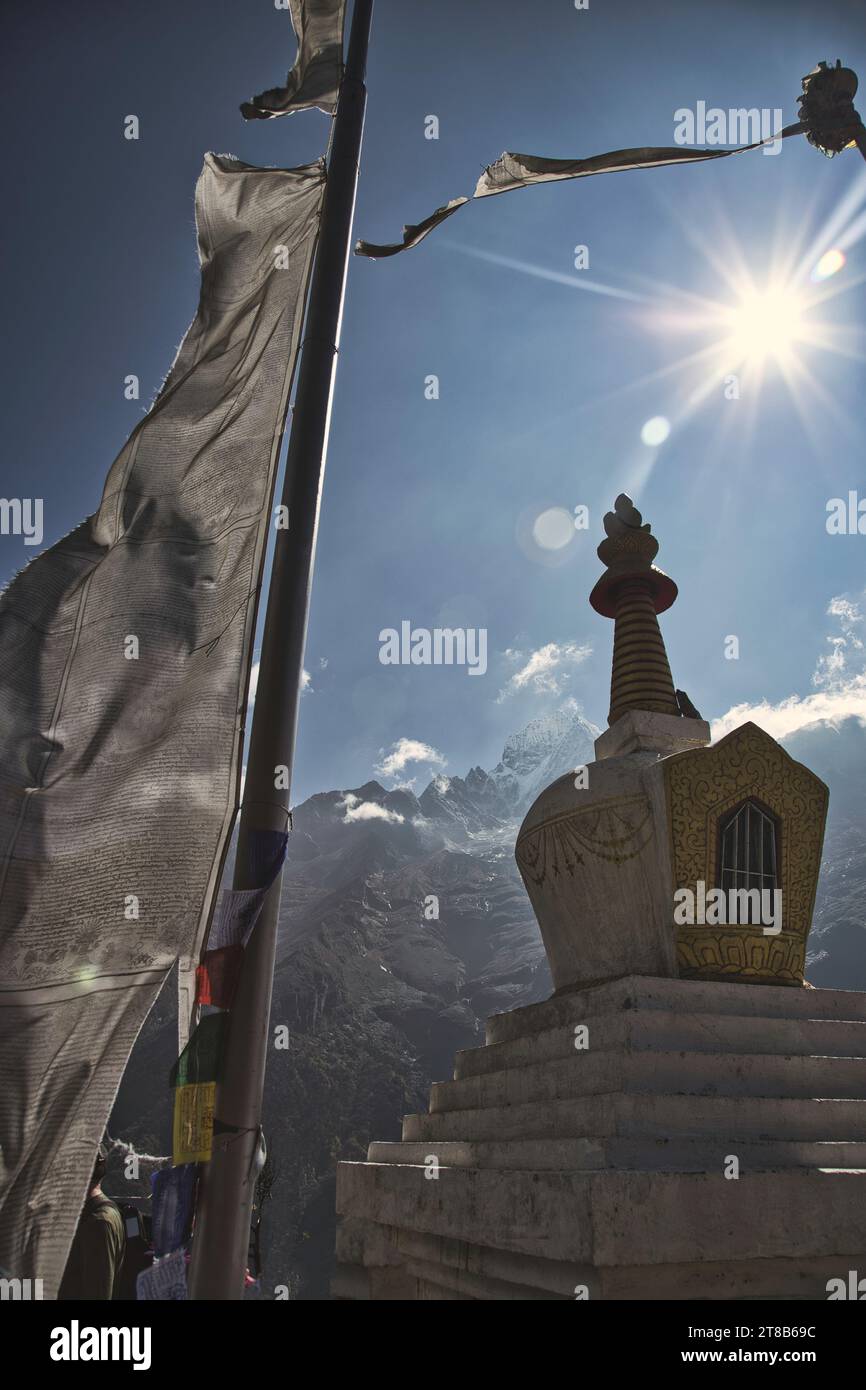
(546, 749)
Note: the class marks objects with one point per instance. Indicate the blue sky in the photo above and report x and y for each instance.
(429, 505)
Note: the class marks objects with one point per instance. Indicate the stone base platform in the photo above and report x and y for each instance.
(546, 1170)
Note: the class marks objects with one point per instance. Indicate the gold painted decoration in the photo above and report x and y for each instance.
(729, 953)
(702, 786)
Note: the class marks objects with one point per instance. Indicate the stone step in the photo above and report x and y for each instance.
(383, 1254)
(646, 992)
(690, 1073)
(640, 1153)
(667, 1031)
(438, 1281)
(724, 1118)
(350, 1282)
(441, 1289)
(617, 1218)
(504, 1274)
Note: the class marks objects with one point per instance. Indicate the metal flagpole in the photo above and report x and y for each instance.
(223, 1213)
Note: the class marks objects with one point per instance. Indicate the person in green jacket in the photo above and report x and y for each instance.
(98, 1248)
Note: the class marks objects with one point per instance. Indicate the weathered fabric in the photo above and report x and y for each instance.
(234, 918)
(216, 979)
(194, 1077)
(165, 1280)
(315, 78)
(172, 1207)
(124, 662)
(520, 170)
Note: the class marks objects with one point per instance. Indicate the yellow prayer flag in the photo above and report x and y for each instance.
(193, 1122)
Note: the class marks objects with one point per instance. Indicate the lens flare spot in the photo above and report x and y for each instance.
(553, 528)
(830, 264)
(655, 431)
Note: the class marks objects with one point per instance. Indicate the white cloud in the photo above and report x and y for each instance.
(840, 678)
(404, 751)
(546, 671)
(572, 706)
(834, 666)
(357, 810)
(795, 713)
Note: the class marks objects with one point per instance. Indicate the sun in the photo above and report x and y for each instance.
(766, 324)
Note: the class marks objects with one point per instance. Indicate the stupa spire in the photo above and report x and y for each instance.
(633, 591)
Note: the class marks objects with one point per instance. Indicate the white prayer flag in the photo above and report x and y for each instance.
(512, 171)
(124, 660)
(315, 78)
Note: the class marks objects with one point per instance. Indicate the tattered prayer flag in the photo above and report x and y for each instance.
(266, 850)
(413, 232)
(192, 1137)
(124, 660)
(234, 919)
(520, 170)
(202, 1056)
(236, 914)
(217, 977)
(164, 1280)
(315, 78)
(238, 908)
(194, 1077)
(173, 1191)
